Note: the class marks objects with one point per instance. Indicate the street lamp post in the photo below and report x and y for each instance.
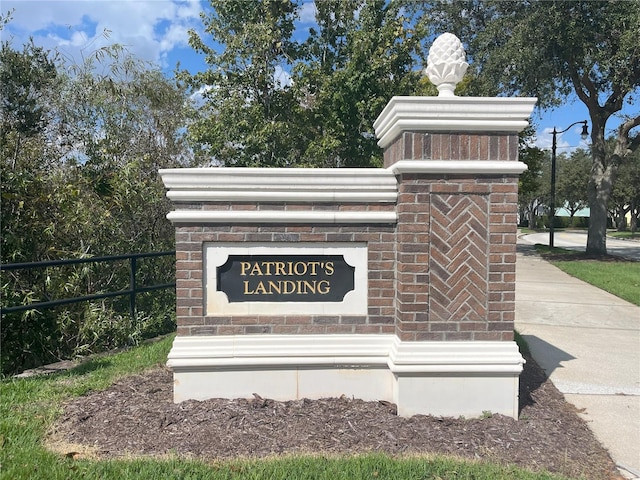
(552, 206)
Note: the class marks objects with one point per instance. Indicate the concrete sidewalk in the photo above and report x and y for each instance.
(588, 342)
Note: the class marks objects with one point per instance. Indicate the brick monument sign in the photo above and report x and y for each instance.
(394, 284)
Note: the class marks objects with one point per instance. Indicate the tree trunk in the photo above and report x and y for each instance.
(532, 219)
(532, 215)
(599, 191)
(622, 219)
(600, 183)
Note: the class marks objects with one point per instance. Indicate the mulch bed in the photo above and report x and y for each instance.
(136, 417)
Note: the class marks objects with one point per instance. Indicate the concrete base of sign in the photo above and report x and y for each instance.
(432, 378)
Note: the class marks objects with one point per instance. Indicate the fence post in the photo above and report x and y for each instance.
(132, 288)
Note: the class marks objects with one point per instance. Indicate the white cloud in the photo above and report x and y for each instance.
(308, 12)
(148, 28)
(544, 139)
(282, 77)
(197, 97)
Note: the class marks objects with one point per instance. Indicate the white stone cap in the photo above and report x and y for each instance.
(239, 184)
(263, 217)
(402, 358)
(455, 357)
(307, 186)
(458, 167)
(452, 114)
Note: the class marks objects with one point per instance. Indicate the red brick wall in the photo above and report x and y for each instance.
(456, 257)
(445, 271)
(456, 239)
(380, 240)
(452, 146)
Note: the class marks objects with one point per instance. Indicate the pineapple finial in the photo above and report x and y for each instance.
(446, 63)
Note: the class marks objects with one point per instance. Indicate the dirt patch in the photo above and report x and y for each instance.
(136, 416)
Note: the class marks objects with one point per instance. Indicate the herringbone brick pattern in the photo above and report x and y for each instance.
(458, 254)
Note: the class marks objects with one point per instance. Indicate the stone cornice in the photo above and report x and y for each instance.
(306, 185)
(280, 217)
(457, 114)
(339, 350)
(451, 167)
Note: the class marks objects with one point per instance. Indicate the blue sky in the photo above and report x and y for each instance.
(156, 30)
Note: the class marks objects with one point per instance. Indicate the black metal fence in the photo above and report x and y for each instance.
(132, 291)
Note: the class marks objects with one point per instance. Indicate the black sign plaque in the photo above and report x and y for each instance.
(285, 278)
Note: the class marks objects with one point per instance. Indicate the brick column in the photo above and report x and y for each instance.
(456, 238)
(456, 163)
(457, 205)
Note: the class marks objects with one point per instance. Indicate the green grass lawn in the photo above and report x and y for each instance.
(618, 277)
(624, 235)
(30, 406)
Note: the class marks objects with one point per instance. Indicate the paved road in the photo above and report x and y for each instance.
(578, 241)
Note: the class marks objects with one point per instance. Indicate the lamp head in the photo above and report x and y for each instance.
(585, 131)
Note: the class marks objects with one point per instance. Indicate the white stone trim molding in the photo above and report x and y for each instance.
(264, 185)
(443, 114)
(191, 352)
(458, 167)
(228, 217)
(434, 378)
(238, 184)
(306, 185)
(455, 357)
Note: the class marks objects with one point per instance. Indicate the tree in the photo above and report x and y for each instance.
(27, 79)
(120, 120)
(573, 180)
(625, 196)
(249, 116)
(553, 49)
(531, 191)
(81, 147)
(361, 54)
